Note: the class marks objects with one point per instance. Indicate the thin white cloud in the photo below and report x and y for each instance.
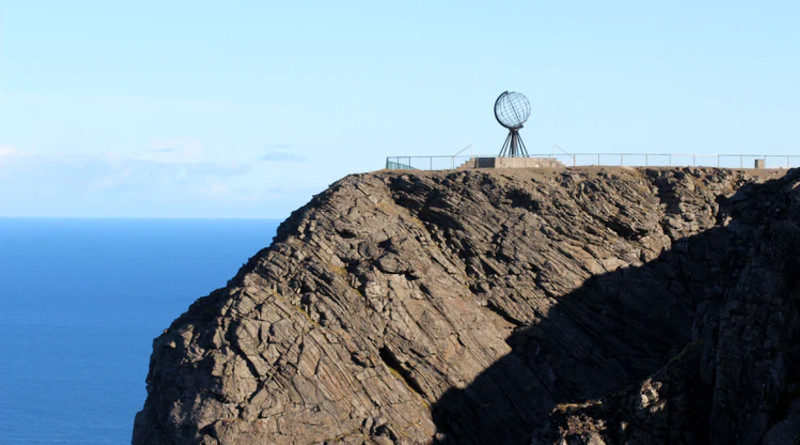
(282, 156)
(81, 173)
(6, 150)
(181, 149)
(97, 185)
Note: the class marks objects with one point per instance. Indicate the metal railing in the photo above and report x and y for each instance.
(740, 161)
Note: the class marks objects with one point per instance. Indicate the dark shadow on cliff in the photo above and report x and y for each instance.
(610, 333)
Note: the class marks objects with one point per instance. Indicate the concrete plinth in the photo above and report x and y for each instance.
(504, 162)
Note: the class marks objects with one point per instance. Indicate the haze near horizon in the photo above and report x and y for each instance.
(245, 108)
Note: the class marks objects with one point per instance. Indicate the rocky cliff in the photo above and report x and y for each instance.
(513, 306)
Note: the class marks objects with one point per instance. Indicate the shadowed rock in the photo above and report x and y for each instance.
(499, 306)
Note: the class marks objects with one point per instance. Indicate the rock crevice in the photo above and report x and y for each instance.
(568, 304)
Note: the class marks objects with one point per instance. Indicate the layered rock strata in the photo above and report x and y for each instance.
(499, 306)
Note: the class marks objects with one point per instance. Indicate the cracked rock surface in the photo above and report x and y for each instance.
(500, 306)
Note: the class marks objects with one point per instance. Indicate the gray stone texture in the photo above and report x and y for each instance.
(581, 305)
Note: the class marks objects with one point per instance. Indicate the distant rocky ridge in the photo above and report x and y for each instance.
(579, 305)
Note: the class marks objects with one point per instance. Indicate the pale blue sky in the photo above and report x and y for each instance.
(247, 108)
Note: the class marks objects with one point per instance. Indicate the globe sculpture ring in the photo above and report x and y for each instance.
(512, 109)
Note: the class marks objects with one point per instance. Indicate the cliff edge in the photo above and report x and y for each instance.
(584, 305)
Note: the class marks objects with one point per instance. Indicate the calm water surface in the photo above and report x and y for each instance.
(80, 303)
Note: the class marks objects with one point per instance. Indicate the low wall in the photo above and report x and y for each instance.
(503, 162)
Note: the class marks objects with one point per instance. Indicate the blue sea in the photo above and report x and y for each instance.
(80, 303)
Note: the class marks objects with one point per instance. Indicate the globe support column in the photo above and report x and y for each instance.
(513, 146)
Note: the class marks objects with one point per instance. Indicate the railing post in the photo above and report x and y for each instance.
(717, 161)
(574, 162)
(430, 160)
(646, 160)
(621, 163)
(741, 162)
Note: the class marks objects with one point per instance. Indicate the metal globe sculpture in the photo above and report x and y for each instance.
(512, 110)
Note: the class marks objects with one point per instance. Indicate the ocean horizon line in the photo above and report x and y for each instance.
(162, 218)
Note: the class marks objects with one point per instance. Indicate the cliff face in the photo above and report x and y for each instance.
(582, 304)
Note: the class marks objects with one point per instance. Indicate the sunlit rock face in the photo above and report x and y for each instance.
(587, 305)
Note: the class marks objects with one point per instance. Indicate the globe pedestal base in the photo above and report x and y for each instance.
(513, 147)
